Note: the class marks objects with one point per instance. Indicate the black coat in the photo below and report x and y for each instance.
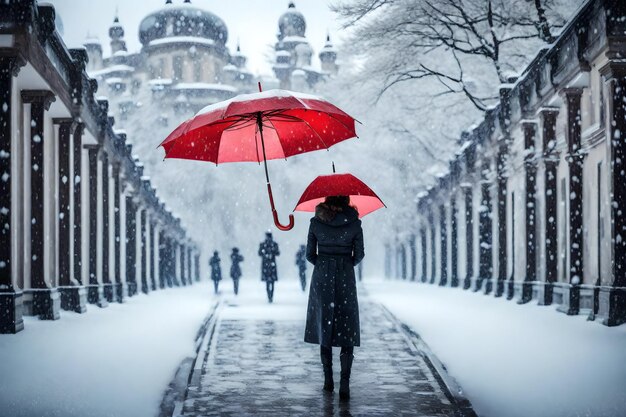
(216, 270)
(334, 246)
(268, 251)
(235, 270)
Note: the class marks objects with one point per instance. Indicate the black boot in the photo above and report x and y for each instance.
(327, 363)
(344, 383)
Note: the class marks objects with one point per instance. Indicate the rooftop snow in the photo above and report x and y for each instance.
(160, 81)
(204, 86)
(295, 39)
(182, 39)
(108, 70)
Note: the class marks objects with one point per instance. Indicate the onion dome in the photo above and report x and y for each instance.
(182, 20)
(116, 31)
(292, 22)
(328, 52)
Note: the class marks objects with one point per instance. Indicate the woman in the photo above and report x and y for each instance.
(235, 269)
(334, 247)
(216, 270)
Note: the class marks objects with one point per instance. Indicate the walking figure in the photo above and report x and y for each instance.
(334, 247)
(216, 270)
(235, 270)
(301, 263)
(268, 251)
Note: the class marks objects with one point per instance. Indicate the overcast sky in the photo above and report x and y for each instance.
(253, 22)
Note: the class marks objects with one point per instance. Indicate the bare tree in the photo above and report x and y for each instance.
(468, 46)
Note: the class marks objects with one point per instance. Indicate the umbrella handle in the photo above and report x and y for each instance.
(278, 224)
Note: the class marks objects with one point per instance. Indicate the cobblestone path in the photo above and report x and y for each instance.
(261, 367)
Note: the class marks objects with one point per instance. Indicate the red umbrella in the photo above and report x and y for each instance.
(361, 196)
(257, 127)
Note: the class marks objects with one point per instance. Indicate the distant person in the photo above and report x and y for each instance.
(216, 270)
(235, 270)
(301, 263)
(268, 251)
(334, 247)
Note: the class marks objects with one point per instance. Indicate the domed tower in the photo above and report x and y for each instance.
(184, 43)
(328, 57)
(116, 33)
(94, 52)
(184, 51)
(292, 49)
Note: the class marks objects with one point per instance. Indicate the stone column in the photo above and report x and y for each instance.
(46, 301)
(95, 292)
(144, 260)
(571, 291)
(131, 246)
(183, 275)
(77, 152)
(119, 290)
(162, 259)
(152, 226)
(189, 265)
(197, 266)
(433, 250)
(551, 164)
(413, 249)
(454, 244)
(424, 258)
(73, 295)
(469, 235)
(443, 230)
(107, 285)
(501, 218)
(485, 266)
(11, 320)
(530, 178)
(612, 298)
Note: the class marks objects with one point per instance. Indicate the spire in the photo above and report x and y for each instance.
(292, 5)
(168, 1)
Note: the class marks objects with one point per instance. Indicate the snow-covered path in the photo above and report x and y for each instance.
(115, 361)
(515, 360)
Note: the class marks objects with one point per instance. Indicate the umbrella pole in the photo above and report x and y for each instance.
(269, 186)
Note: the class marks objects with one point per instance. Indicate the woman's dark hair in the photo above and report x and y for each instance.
(337, 202)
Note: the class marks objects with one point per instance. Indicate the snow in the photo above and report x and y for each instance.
(515, 360)
(276, 93)
(204, 86)
(294, 38)
(113, 68)
(182, 39)
(115, 361)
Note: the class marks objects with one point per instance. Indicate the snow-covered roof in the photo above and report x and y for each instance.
(299, 39)
(114, 80)
(113, 68)
(121, 53)
(298, 73)
(283, 53)
(182, 39)
(230, 67)
(160, 81)
(282, 65)
(204, 86)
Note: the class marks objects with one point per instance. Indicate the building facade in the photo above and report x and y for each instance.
(532, 207)
(184, 60)
(81, 224)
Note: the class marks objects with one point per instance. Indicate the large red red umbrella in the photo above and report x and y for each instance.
(361, 196)
(257, 127)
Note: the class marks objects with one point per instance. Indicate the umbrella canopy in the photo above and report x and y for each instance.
(257, 127)
(291, 123)
(361, 196)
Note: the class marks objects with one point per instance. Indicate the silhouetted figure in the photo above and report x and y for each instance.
(235, 270)
(216, 270)
(301, 263)
(268, 251)
(335, 246)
